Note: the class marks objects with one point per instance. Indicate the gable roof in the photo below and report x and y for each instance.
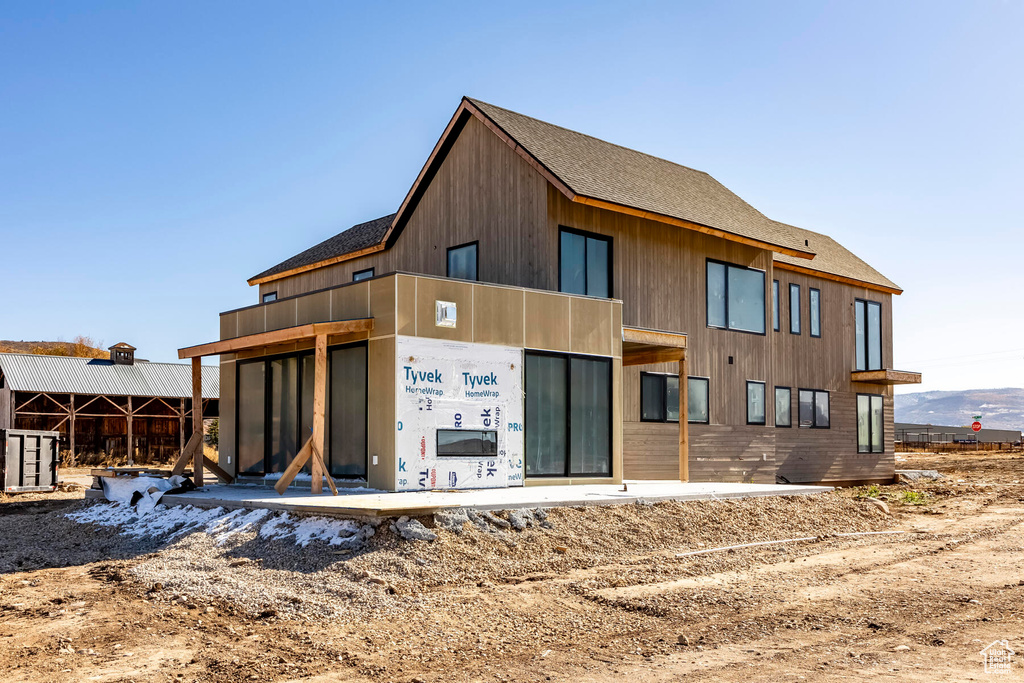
(591, 171)
(73, 375)
(364, 238)
(833, 259)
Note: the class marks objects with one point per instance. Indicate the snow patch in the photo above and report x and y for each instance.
(171, 522)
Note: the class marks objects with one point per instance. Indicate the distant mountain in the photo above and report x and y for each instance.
(999, 408)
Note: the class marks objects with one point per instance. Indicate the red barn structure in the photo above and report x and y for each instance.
(119, 406)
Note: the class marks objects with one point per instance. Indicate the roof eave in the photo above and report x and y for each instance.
(259, 280)
(837, 278)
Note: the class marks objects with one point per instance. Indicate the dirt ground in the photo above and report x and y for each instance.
(596, 595)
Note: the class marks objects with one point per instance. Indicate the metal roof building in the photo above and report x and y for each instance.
(101, 405)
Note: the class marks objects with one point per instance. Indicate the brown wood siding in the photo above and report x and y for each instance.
(483, 191)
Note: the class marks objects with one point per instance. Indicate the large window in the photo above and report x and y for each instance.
(462, 261)
(794, 309)
(814, 408)
(568, 415)
(783, 407)
(814, 299)
(659, 397)
(755, 403)
(869, 423)
(735, 297)
(585, 263)
(698, 400)
(868, 316)
(775, 305)
(275, 411)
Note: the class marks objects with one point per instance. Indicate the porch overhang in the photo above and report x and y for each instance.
(642, 347)
(885, 376)
(273, 337)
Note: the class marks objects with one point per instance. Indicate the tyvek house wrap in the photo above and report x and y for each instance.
(457, 385)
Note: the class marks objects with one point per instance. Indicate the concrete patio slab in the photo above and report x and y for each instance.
(370, 503)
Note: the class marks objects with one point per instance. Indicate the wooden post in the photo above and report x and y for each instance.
(684, 423)
(131, 451)
(197, 418)
(71, 429)
(181, 425)
(319, 403)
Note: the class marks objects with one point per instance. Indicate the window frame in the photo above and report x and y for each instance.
(264, 299)
(814, 412)
(707, 382)
(356, 275)
(663, 376)
(448, 261)
(707, 312)
(567, 472)
(867, 336)
(611, 260)
(299, 355)
(475, 456)
(869, 450)
(811, 291)
(764, 400)
(776, 313)
(794, 287)
(788, 390)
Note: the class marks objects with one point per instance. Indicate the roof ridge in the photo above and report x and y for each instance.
(615, 144)
(592, 137)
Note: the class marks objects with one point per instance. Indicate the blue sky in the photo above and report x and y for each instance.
(154, 156)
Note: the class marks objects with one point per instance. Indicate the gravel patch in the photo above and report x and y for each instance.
(271, 563)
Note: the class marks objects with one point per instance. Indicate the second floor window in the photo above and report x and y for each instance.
(269, 296)
(362, 275)
(735, 297)
(585, 263)
(794, 309)
(814, 299)
(868, 316)
(775, 305)
(462, 261)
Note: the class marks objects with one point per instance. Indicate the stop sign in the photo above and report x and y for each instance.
(976, 426)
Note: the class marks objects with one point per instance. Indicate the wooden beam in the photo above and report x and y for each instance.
(637, 335)
(276, 337)
(215, 468)
(319, 401)
(684, 423)
(655, 355)
(320, 473)
(705, 229)
(294, 466)
(885, 377)
(185, 457)
(128, 418)
(804, 270)
(71, 429)
(197, 418)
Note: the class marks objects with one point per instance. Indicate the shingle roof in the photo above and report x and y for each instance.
(356, 238)
(68, 374)
(602, 170)
(833, 258)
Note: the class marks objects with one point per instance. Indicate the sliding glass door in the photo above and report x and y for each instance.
(568, 415)
(275, 411)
